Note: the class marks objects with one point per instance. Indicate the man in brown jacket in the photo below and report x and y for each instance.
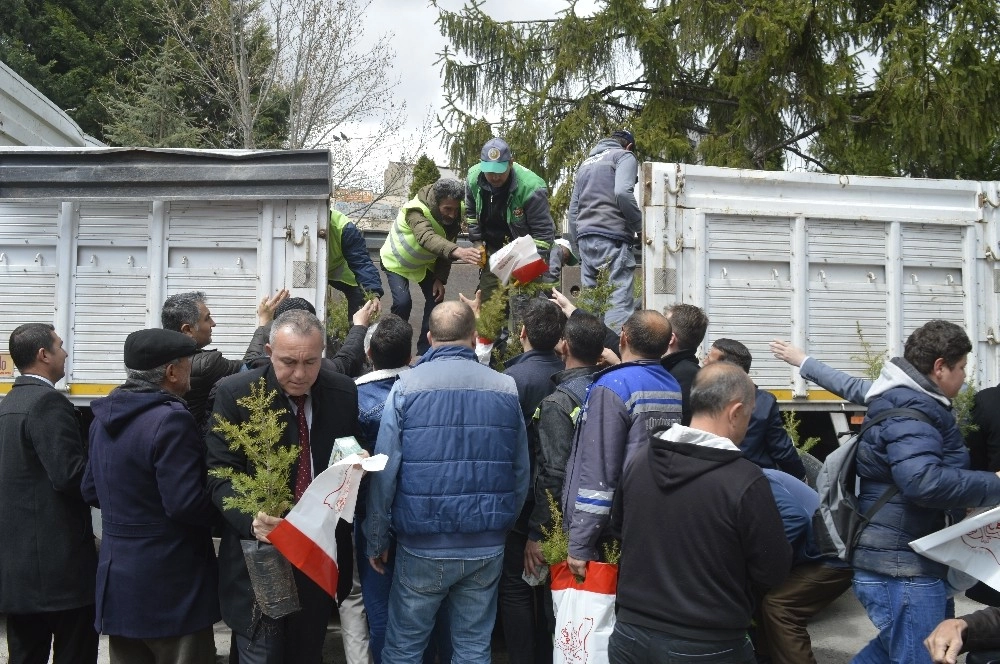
(420, 247)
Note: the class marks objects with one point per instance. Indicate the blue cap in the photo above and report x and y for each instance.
(625, 135)
(495, 156)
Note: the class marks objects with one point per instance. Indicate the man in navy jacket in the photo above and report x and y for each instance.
(157, 580)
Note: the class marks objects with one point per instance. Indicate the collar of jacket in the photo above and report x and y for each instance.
(379, 374)
(673, 359)
(448, 352)
(623, 365)
(527, 355)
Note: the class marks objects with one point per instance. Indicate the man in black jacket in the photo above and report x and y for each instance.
(188, 314)
(700, 531)
(320, 406)
(522, 606)
(689, 324)
(48, 563)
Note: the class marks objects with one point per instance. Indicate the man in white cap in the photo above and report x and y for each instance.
(503, 201)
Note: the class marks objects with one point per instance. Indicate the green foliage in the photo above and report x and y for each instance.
(961, 407)
(555, 540)
(611, 552)
(259, 437)
(425, 172)
(73, 50)
(791, 423)
(597, 299)
(337, 322)
(872, 359)
(882, 87)
(493, 314)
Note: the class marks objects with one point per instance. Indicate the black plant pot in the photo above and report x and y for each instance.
(271, 578)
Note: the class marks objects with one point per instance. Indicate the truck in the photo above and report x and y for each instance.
(95, 239)
(823, 261)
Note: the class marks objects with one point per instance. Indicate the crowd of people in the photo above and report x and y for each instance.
(613, 420)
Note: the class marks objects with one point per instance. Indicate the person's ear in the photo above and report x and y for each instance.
(523, 334)
(267, 349)
(939, 366)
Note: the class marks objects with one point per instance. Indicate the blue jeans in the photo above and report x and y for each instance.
(402, 303)
(631, 644)
(597, 251)
(375, 594)
(904, 610)
(467, 587)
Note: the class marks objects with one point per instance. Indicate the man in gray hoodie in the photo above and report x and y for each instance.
(604, 220)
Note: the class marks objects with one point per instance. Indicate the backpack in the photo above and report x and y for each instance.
(839, 521)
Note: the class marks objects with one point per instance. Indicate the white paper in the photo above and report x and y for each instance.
(972, 546)
(372, 464)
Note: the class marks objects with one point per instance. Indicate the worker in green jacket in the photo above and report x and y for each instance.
(504, 201)
(349, 266)
(420, 247)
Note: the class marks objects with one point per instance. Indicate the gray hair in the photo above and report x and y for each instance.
(298, 321)
(156, 375)
(181, 309)
(449, 188)
(718, 385)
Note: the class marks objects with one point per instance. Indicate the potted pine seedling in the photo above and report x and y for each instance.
(265, 489)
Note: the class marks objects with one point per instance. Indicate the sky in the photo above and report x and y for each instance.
(417, 42)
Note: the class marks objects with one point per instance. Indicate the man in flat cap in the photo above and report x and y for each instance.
(604, 220)
(503, 201)
(157, 581)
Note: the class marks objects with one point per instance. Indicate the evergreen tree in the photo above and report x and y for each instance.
(879, 86)
(425, 172)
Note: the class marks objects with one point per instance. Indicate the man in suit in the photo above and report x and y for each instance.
(320, 406)
(47, 555)
(157, 581)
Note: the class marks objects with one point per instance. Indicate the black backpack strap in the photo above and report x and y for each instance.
(888, 494)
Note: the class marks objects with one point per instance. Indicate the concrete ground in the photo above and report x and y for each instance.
(837, 634)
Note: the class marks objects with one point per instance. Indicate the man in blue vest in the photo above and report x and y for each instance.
(456, 478)
(349, 267)
(504, 201)
(604, 220)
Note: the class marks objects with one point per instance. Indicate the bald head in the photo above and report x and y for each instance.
(452, 324)
(722, 400)
(647, 334)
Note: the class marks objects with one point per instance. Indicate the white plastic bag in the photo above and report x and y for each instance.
(519, 259)
(585, 613)
(971, 546)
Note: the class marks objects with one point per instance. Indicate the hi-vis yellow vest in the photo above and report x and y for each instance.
(336, 264)
(402, 254)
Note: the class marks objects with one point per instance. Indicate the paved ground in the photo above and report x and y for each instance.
(837, 635)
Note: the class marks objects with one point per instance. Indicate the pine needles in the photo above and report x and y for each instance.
(259, 438)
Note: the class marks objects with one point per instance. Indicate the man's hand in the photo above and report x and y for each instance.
(364, 315)
(468, 255)
(534, 561)
(378, 564)
(265, 310)
(263, 525)
(438, 290)
(608, 358)
(785, 351)
(475, 304)
(567, 307)
(945, 642)
(577, 567)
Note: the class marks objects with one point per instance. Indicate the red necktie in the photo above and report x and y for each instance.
(303, 469)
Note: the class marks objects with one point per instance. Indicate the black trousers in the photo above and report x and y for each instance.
(526, 611)
(68, 634)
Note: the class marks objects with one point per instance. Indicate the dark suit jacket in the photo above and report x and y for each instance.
(683, 366)
(156, 576)
(47, 555)
(334, 414)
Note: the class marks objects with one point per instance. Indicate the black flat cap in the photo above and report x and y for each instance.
(148, 349)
